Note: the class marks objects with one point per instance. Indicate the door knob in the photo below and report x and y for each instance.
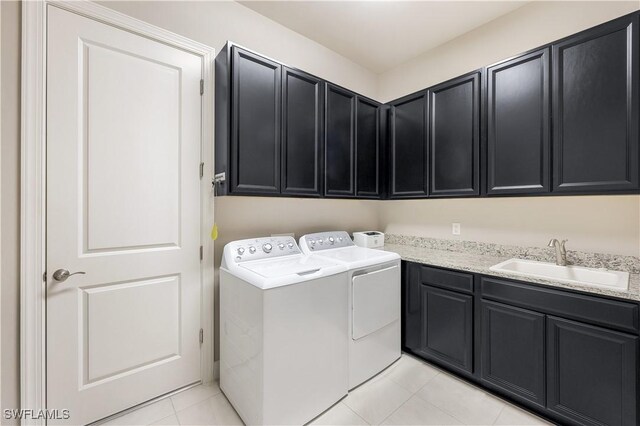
(62, 274)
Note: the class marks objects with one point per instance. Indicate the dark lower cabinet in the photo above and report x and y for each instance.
(408, 147)
(340, 110)
(580, 371)
(513, 350)
(438, 322)
(595, 104)
(518, 130)
(302, 108)
(447, 321)
(454, 137)
(368, 149)
(255, 148)
(411, 307)
(592, 375)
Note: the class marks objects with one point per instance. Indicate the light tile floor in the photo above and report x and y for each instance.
(410, 392)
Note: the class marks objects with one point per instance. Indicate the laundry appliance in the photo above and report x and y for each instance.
(283, 331)
(374, 301)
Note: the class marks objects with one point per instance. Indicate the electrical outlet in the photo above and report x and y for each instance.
(455, 228)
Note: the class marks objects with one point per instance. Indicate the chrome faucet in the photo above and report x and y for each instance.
(561, 252)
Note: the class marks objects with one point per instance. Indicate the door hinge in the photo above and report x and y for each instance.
(44, 276)
(201, 335)
(201, 252)
(201, 170)
(201, 87)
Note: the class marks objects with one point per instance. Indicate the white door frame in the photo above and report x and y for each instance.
(33, 186)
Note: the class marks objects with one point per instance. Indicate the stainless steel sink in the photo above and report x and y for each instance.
(604, 278)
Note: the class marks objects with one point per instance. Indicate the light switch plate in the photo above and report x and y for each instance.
(455, 228)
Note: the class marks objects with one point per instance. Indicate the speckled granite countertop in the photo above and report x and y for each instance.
(454, 256)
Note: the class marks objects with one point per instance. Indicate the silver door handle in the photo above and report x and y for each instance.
(62, 274)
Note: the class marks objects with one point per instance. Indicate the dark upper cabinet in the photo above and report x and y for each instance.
(518, 131)
(340, 117)
(302, 126)
(592, 374)
(595, 109)
(454, 137)
(368, 149)
(513, 350)
(255, 123)
(408, 147)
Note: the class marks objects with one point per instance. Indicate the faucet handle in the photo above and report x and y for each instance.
(552, 242)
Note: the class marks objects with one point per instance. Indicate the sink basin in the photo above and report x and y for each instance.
(604, 278)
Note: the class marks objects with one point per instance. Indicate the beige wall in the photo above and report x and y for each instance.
(215, 22)
(605, 224)
(10, 212)
(532, 25)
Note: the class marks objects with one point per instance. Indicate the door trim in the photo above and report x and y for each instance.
(33, 186)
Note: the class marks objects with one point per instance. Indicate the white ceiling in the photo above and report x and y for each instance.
(380, 35)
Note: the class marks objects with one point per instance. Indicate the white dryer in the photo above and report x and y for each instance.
(374, 301)
(283, 331)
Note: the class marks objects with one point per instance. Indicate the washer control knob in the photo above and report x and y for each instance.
(290, 245)
(331, 240)
(252, 249)
(240, 250)
(281, 246)
(340, 239)
(319, 240)
(313, 242)
(267, 248)
(238, 258)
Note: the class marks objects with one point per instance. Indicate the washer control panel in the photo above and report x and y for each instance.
(326, 240)
(260, 248)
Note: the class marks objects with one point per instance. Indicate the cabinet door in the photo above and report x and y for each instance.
(411, 306)
(591, 373)
(513, 350)
(408, 147)
(339, 142)
(454, 137)
(255, 139)
(302, 104)
(367, 148)
(518, 125)
(447, 327)
(595, 104)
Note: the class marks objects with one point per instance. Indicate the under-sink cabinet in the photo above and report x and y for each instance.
(570, 356)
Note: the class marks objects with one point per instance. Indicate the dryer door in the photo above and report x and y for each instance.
(376, 300)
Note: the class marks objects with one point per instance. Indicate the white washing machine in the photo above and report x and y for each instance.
(374, 301)
(283, 331)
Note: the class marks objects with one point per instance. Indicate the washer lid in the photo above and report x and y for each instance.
(358, 257)
(286, 270)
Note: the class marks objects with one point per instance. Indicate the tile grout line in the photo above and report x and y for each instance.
(412, 394)
(359, 416)
(500, 413)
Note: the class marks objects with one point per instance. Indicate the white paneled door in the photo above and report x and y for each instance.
(123, 215)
